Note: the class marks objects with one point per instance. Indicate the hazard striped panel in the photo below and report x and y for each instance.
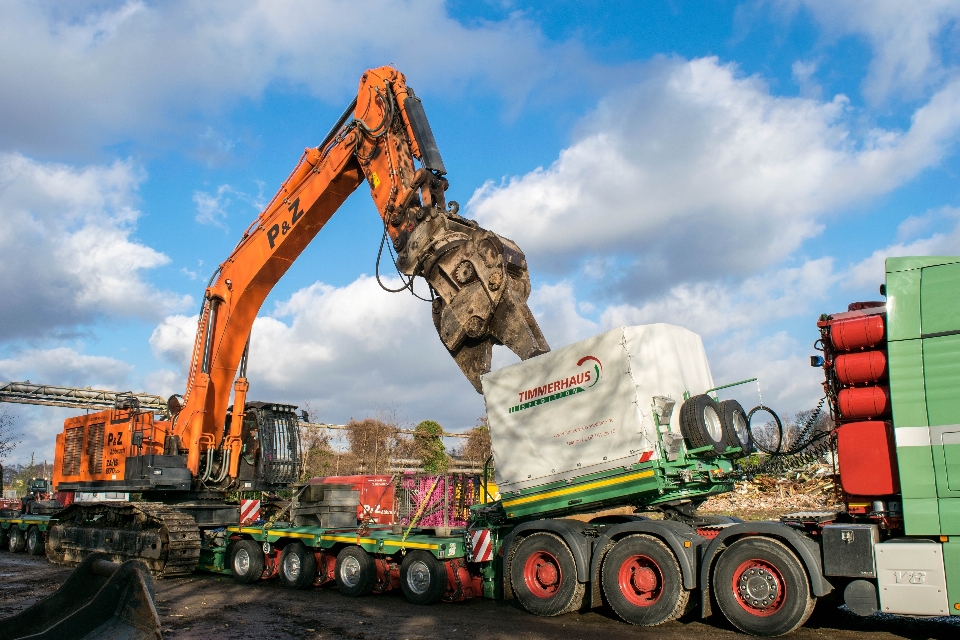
(481, 546)
(249, 511)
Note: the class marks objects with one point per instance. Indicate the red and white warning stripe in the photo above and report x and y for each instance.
(482, 550)
(249, 511)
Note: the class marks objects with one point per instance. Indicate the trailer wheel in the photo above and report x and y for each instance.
(736, 427)
(246, 561)
(298, 566)
(701, 424)
(17, 541)
(423, 578)
(4, 538)
(762, 588)
(543, 574)
(355, 572)
(35, 541)
(642, 581)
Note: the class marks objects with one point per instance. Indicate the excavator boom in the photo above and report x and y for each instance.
(478, 280)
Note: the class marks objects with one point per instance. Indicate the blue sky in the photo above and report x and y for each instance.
(734, 167)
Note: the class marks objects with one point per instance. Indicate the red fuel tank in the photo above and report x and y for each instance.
(858, 368)
(863, 402)
(867, 456)
(857, 333)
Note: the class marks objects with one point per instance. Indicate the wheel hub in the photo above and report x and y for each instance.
(759, 587)
(640, 580)
(542, 574)
(350, 571)
(418, 577)
(291, 566)
(241, 562)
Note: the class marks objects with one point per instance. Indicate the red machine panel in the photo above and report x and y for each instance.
(857, 333)
(377, 495)
(863, 402)
(867, 457)
(861, 367)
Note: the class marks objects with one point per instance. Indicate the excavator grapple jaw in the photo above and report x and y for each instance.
(481, 285)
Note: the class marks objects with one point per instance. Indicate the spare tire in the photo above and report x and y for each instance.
(701, 424)
(736, 427)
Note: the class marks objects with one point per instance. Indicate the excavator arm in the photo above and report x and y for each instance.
(478, 280)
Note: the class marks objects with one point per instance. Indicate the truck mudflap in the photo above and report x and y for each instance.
(682, 539)
(806, 549)
(101, 600)
(572, 533)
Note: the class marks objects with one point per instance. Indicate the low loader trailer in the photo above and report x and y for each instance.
(24, 532)
(593, 426)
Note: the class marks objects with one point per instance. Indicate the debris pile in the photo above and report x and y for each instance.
(811, 488)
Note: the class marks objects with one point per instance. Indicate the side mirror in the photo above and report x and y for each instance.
(304, 416)
(816, 361)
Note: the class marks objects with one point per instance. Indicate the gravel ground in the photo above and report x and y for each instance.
(210, 606)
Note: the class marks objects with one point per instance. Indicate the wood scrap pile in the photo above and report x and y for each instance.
(808, 489)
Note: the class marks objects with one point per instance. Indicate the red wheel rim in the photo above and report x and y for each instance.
(759, 587)
(640, 580)
(542, 575)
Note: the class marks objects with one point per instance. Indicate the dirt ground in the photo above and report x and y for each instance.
(210, 606)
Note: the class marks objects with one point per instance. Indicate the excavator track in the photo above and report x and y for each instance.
(166, 540)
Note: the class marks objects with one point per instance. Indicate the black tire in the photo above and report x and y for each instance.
(736, 427)
(298, 566)
(4, 538)
(701, 425)
(543, 575)
(762, 588)
(355, 572)
(35, 541)
(423, 578)
(246, 561)
(642, 581)
(17, 541)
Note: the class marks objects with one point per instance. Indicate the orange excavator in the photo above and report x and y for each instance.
(186, 462)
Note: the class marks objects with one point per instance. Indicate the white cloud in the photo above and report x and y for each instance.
(696, 173)
(941, 243)
(38, 428)
(212, 208)
(718, 307)
(66, 252)
(81, 74)
(164, 383)
(350, 351)
(173, 339)
(66, 367)
(781, 364)
(903, 36)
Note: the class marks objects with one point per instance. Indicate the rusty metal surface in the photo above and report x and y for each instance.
(479, 279)
(167, 541)
(100, 600)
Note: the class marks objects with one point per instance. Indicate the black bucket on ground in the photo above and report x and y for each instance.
(101, 600)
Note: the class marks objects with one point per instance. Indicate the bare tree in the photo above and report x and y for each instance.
(319, 458)
(9, 439)
(477, 449)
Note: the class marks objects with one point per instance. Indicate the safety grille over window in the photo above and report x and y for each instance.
(280, 446)
(72, 449)
(95, 448)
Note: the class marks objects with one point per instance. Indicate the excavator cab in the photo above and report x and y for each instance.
(271, 455)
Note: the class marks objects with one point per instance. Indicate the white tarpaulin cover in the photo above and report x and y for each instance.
(587, 407)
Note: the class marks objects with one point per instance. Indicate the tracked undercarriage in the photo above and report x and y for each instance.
(166, 540)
